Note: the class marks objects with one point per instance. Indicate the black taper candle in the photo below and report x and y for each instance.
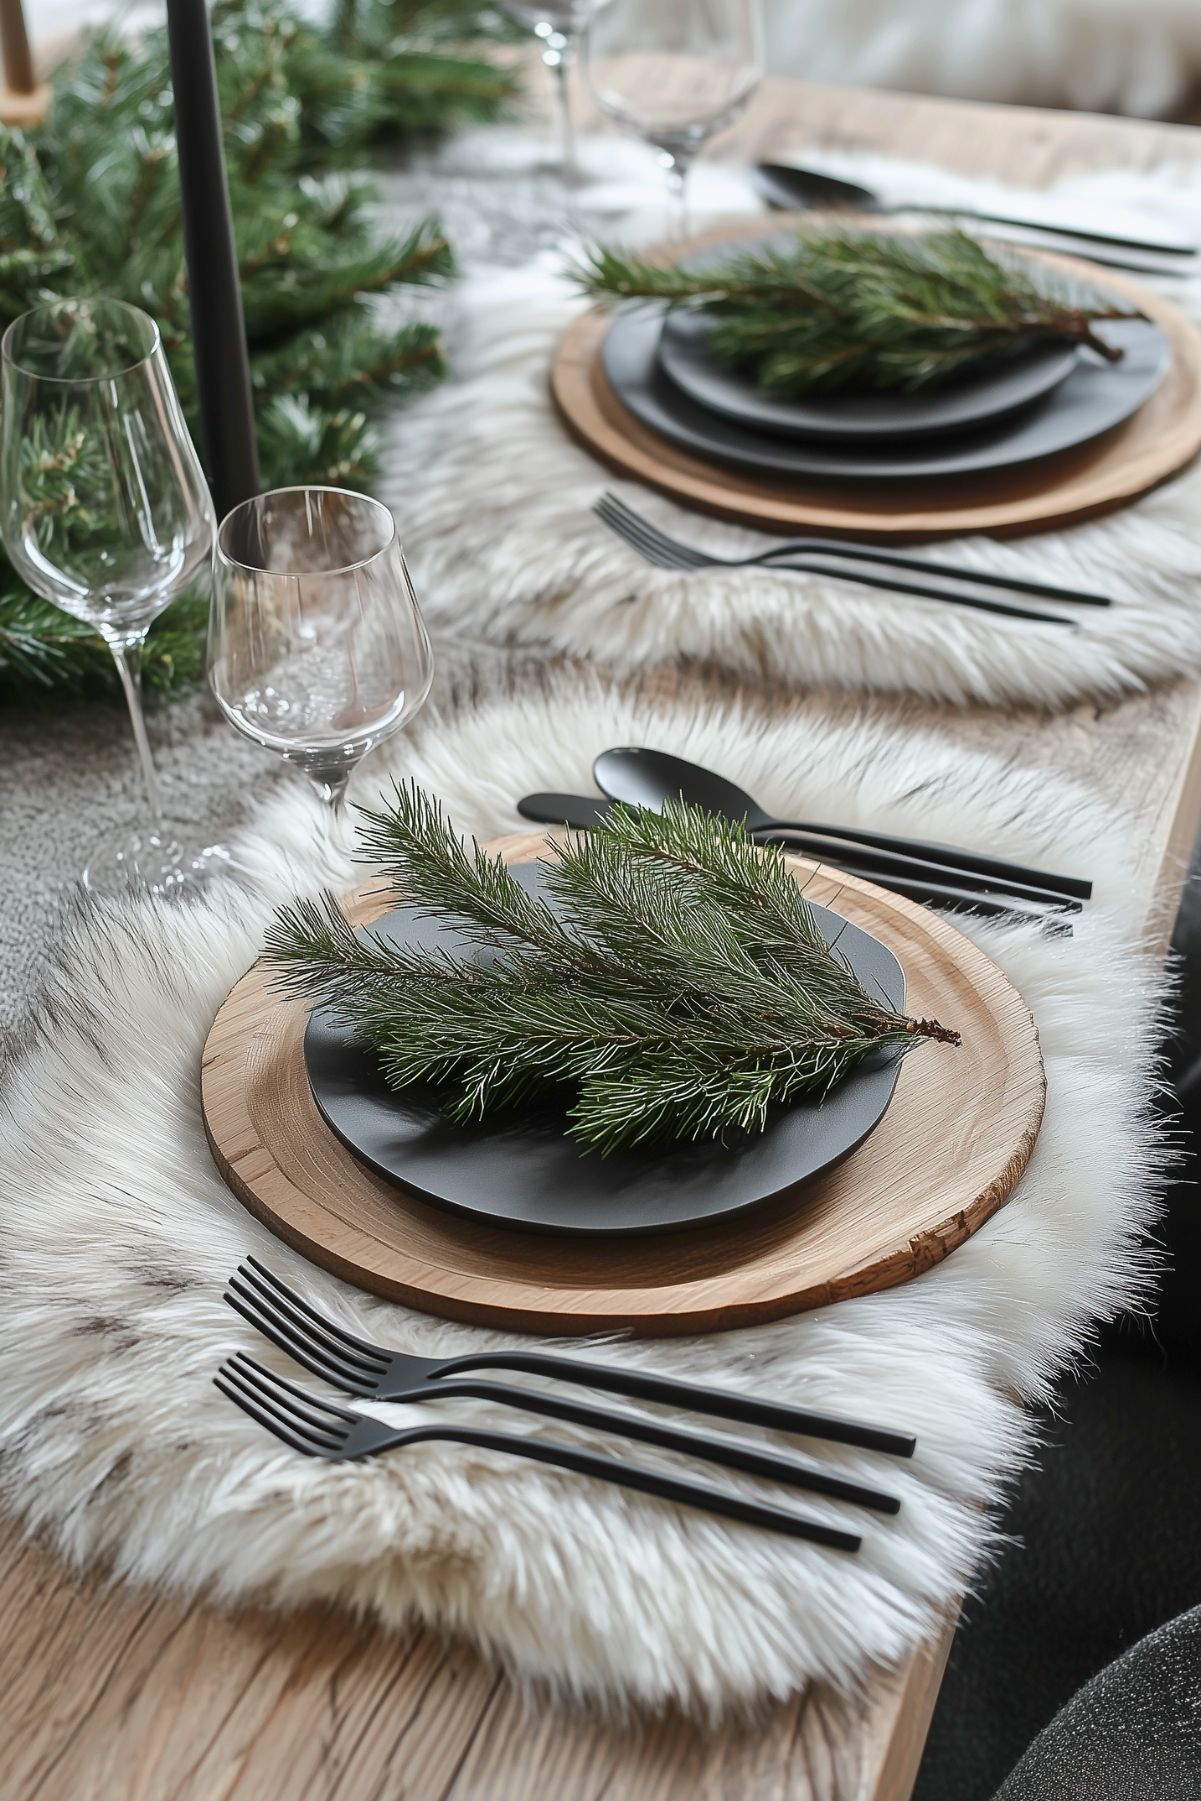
(215, 294)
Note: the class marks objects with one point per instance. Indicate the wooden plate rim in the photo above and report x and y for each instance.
(1161, 438)
(435, 1286)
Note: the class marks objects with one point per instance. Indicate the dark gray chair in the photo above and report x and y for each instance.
(1131, 1734)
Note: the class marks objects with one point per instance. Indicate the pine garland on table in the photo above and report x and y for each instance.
(680, 987)
(90, 204)
(840, 309)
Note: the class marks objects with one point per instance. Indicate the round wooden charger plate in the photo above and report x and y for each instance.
(1161, 438)
(946, 1155)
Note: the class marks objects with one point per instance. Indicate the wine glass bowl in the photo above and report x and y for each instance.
(87, 399)
(104, 509)
(675, 75)
(317, 647)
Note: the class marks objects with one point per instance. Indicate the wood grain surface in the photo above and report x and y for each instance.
(1161, 438)
(947, 1154)
(114, 1695)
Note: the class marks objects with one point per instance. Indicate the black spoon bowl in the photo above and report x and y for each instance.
(649, 778)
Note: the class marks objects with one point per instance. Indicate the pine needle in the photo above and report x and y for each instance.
(677, 987)
(90, 204)
(835, 310)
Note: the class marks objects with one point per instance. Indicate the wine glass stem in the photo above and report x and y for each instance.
(558, 50)
(675, 168)
(127, 654)
(332, 789)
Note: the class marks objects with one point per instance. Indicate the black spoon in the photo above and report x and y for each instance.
(809, 188)
(647, 778)
(582, 813)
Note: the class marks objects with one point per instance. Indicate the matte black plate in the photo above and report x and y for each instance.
(975, 400)
(526, 1173)
(1095, 397)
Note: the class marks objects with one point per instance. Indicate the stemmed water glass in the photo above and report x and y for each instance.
(558, 25)
(675, 74)
(104, 509)
(317, 647)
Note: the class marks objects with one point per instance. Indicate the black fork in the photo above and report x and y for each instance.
(318, 1429)
(359, 1367)
(656, 547)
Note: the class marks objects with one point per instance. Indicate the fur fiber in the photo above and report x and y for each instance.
(116, 1234)
(494, 501)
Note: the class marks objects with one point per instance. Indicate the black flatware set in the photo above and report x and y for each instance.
(866, 565)
(939, 875)
(793, 189)
(319, 1428)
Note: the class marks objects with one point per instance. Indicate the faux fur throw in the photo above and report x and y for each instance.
(117, 1234)
(494, 498)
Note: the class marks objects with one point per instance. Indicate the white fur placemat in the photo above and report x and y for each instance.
(494, 498)
(117, 1234)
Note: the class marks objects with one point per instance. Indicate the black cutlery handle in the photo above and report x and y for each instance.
(632, 1475)
(1088, 234)
(949, 856)
(883, 864)
(729, 1452)
(895, 584)
(895, 559)
(951, 875)
(725, 1403)
(958, 900)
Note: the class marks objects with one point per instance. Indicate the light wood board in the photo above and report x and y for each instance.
(946, 1155)
(1160, 439)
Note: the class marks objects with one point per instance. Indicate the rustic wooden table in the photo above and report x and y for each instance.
(118, 1695)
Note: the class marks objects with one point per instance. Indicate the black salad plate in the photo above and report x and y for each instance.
(1095, 397)
(525, 1173)
(976, 399)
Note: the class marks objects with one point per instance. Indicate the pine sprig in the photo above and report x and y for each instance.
(833, 310)
(90, 204)
(677, 988)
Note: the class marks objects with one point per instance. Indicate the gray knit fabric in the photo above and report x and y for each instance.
(1131, 1734)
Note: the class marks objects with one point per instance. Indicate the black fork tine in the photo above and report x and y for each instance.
(635, 534)
(288, 1337)
(326, 1415)
(372, 1352)
(268, 1411)
(628, 536)
(637, 530)
(651, 548)
(258, 1414)
(317, 1330)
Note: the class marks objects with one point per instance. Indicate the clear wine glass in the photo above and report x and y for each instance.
(104, 509)
(317, 647)
(675, 74)
(558, 26)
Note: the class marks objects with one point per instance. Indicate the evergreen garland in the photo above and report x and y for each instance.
(680, 988)
(833, 309)
(90, 204)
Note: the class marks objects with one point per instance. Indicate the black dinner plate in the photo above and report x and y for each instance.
(976, 399)
(524, 1172)
(1095, 397)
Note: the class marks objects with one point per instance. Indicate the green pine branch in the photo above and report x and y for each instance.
(837, 310)
(90, 204)
(678, 988)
